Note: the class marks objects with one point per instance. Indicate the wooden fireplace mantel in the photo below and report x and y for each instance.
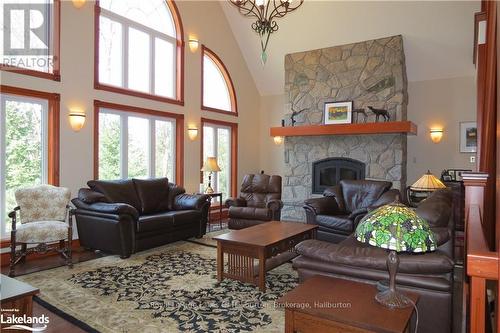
(390, 127)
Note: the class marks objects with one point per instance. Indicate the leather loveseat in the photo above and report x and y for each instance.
(429, 274)
(341, 208)
(126, 216)
(259, 202)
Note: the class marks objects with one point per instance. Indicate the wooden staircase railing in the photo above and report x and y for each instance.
(481, 263)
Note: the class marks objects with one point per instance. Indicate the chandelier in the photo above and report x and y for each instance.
(265, 11)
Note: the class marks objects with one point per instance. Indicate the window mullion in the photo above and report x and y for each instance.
(152, 71)
(216, 153)
(125, 36)
(173, 139)
(3, 164)
(45, 144)
(152, 148)
(124, 146)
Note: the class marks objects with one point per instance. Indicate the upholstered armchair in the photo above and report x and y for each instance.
(259, 202)
(341, 208)
(44, 220)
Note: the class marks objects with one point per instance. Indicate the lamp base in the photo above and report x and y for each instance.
(393, 299)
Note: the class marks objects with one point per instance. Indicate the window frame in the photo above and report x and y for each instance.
(53, 131)
(179, 77)
(179, 133)
(234, 150)
(56, 36)
(229, 82)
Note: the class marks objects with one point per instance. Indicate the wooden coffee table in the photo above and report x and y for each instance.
(331, 305)
(272, 243)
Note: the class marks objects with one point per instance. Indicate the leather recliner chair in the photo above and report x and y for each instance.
(428, 274)
(259, 202)
(126, 216)
(341, 208)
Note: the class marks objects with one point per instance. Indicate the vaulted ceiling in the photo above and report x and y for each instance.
(438, 36)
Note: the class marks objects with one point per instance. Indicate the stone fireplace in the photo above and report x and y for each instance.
(370, 73)
(330, 171)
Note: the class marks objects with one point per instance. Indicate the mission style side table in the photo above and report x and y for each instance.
(330, 305)
(272, 243)
(16, 298)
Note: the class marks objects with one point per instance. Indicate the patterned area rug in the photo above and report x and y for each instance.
(168, 289)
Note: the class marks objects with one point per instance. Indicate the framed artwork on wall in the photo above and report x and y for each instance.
(338, 113)
(468, 137)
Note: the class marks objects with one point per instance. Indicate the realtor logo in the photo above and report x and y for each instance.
(26, 29)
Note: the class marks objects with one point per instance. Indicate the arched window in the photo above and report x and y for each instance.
(217, 87)
(139, 49)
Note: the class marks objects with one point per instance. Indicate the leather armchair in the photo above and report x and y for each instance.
(127, 216)
(341, 208)
(259, 202)
(429, 274)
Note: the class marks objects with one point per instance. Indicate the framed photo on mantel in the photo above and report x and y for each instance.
(338, 113)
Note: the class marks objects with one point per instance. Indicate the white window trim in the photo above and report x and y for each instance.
(3, 154)
(215, 176)
(153, 34)
(124, 115)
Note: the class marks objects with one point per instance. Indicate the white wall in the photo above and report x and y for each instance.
(76, 89)
(445, 102)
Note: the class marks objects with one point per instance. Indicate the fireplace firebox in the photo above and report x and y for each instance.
(330, 171)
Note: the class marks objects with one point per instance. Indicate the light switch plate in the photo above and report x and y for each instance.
(473, 159)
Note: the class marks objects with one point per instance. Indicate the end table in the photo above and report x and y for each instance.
(212, 196)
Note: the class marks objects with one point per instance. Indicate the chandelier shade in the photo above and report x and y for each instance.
(265, 12)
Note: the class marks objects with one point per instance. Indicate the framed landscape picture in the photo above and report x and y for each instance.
(468, 137)
(338, 113)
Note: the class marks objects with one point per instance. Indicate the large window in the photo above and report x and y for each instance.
(139, 48)
(217, 86)
(219, 140)
(29, 42)
(136, 143)
(28, 145)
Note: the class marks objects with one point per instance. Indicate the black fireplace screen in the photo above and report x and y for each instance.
(330, 171)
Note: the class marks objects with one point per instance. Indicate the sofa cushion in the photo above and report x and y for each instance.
(437, 208)
(117, 191)
(350, 252)
(167, 220)
(88, 196)
(257, 190)
(362, 193)
(153, 194)
(338, 222)
(251, 213)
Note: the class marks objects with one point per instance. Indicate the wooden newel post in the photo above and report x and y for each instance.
(475, 183)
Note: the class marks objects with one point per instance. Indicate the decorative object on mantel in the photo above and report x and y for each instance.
(265, 11)
(422, 188)
(210, 166)
(380, 112)
(399, 229)
(338, 113)
(468, 137)
(357, 112)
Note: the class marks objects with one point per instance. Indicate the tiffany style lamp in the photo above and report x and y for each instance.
(399, 229)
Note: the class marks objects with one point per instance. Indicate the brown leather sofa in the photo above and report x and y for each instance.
(259, 202)
(340, 209)
(430, 274)
(126, 216)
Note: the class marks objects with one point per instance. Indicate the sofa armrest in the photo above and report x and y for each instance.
(322, 206)
(191, 201)
(106, 208)
(236, 202)
(274, 205)
(385, 199)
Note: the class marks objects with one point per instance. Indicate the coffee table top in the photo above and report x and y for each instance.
(265, 234)
(348, 302)
(11, 289)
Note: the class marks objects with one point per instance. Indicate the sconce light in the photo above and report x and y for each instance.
(76, 120)
(79, 3)
(192, 133)
(436, 134)
(193, 44)
(278, 140)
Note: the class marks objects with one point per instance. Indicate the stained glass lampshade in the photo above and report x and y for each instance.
(399, 229)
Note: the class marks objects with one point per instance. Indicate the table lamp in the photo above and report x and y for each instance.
(424, 186)
(210, 166)
(399, 229)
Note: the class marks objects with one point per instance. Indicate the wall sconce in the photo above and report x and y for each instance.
(192, 133)
(79, 3)
(436, 134)
(76, 120)
(278, 140)
(193, 44)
